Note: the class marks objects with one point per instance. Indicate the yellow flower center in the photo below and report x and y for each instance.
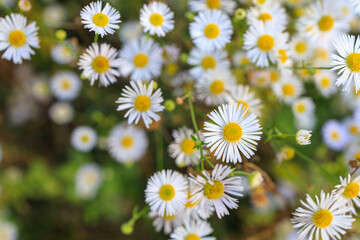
(325, 82)
(101, 64)
(354, 129)
(266, 42)
(244, 61)
(156, 19)
(172, 68)
(90, 178)
(301, 47)
(208, 63)
(232, 132)
(244, 105)
(192, 236)
(282, 55)
(213, 4)
(66, 84)
(357, 156)
(264, 17)
(214, 191)
(187, 146)
(17, 38)
(100, 19)
(326, 23)
(353, 62)
(274, 76)
(289, 153)
(322, 218)
(301, 108)
(217, 87)
(169, 217)
(190, 204)
(167, 192)
(288, 90)
(127, 142)
(85, 138)
(260, 2)
(335, 136)
(352, 190)
(141, 60)
(212, 31)
(142, 103)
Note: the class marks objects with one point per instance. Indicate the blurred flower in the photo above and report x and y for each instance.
(25, 5)
(285, 154)
(88, 180)
(83, 138)
(288, 89)
(303, 107)
(303, 137)
(300, 49)
(228, 6)
(356, 5)
(272, 12)
(335, 135)
(61, 112)
(191, 230)
(63, 53)
(157, 18)
(55, 15)
(325, 83)
(168, 222)
(65, 85)
(130, 30)
(8, 231)
(255, 179)
(40, 89)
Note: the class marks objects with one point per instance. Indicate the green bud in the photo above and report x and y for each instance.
(190, 16)
(127, 228)
(184, 57)
(169, 105)
(60, 34)
(255, 179)
(240, 14)
(311, 71)
(198, 143)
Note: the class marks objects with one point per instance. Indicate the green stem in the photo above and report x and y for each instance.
(242, 173)
(208, 161)
(159, 150)
(96, 37)
(294, 178)
(299, 68)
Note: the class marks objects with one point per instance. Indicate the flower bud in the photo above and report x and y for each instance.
(303, 137)
(169, 105)
(255, 179)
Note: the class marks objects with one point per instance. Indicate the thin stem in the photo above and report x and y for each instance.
(159, 150)
(299, 68)
(242, 173)
(96, 37)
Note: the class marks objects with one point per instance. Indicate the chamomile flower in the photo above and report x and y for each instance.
(61, 112)
(325, 83)
(63, 53)
(261, 41)
(88, 180)
(321, 56)
(183, 148)
(267, 12)
(65, 85)
(141, 102)
(356, 5)
(327, 218)
(211, 30)
(127, 143)
(303, 107)
(346, 61)
(213, 87)
(8, 231)
(182, 83)
(100, 62)
(288, 89)
(141, 59)
(260, 78)
(217, 189)
(17, 38)
(353, 127)
(241, 94)
(55, 15)
(227, 6)
(349, 190)
(99, 20)
(300, 48)
(232, 133)
(303, 137)
(166, 192)
(240, 59)
(205, 61)
(335, 135)
(166, 222)
(192, 229)
(130, 30)
(156, 18)
(83, 138)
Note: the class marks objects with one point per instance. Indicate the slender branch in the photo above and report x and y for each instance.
(96, 38)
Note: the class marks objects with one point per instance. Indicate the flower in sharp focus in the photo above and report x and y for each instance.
(156, 18)
(349, 189)
(303, 137)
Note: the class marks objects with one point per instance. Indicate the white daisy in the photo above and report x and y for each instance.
(321, 56)
(303, 137)
(55, 14)
(227, 6)
(232, 133)
(141, 102)
(356, 5)
(63, 53)
(267, 12)
(171, 53)
(326, 219)
(182, 83)
(335, 135)
(156, 18)
(239, 59)
(61, 112)
(205, 61)
(213, 87)
(83, 138)
(299, 48)
(166, 192)
(218, 190)
(241, 94)
(65, 85)
(88, 180)
(211, 30)
(347, 61)
(183, 149)
(100, 62)
(325, 82)
(260, 78)
(353, 127)
(303, 107)
(17, 38)
(127, 143)
(288, 89)
(262, 40)
(40, 90)
(193, 230)
(349, 190)
(98, 20)
(8, 231)
(166, 222)
(141, 59)
(130, 30)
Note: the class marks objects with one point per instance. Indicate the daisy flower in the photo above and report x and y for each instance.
(349, 190)
(61, 112)
(8, 231)
(98, 20)
(353, 127)
(192, 230)
(183, 148)
(325, 83)
(65, 85)
(156, 18)
(261, 41)
(17, 38)
(285, 154)
(303, 137)
(141, 59)
(213, 87)
(227, 6)
(88, 180)
(217, 189)
(239, 58)
(100, 62)
(182, 83)
(288, 89)
(335, 135)
(166, 192)
(327, 218)
(320, 56)
(267, 12)
(166, 222)
(260, 78)
(55, 15)
(130, 30)
(300, 48)
(241, 94)
(347, 61)
(141, 102)
(83, 138)
(205, 61)
(63, 53)
(303, 107)
(127, 143)
(211, 30)
(232, 133)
